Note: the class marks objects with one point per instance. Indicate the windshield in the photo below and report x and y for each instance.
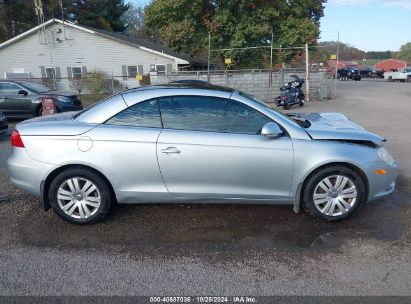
(408, 70)
(35, 86)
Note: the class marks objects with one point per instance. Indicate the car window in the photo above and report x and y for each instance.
(36, 87)
(144, 114)
(210, 114)
(10, 88)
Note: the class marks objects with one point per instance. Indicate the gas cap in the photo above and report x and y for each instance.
(84, 143)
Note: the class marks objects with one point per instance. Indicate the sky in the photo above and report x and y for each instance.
(370, 25)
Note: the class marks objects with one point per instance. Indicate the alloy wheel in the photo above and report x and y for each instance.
(335, 195)
(78, 197)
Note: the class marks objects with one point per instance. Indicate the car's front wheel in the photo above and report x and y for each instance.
(333, 193)
(80, 196)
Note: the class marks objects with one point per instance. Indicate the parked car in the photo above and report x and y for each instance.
(3, 124)
(371, 73)
(202, 143)
(23, 99)
(348, 74)
(403, 75)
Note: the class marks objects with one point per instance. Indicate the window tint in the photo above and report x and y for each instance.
(210, 114)
(143, 114)
(10, 88)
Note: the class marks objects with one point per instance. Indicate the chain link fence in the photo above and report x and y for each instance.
(262, 83)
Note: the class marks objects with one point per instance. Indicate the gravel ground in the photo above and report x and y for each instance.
(222, 249)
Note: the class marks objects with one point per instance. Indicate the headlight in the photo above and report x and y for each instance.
(63, 99)
(385, 156)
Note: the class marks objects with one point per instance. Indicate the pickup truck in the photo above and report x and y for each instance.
(403, 75)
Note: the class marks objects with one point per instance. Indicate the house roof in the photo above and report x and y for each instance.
(148, 45)
(140, 43)
(391, 60)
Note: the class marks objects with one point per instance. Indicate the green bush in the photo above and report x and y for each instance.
(95, 81)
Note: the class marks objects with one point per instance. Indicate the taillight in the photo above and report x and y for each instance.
(16, 140)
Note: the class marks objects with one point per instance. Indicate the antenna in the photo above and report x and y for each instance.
(38, 7)
(62, 19)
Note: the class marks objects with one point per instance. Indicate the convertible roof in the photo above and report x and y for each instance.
(183, 85)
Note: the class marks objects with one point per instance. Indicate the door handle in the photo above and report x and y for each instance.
(171, 150)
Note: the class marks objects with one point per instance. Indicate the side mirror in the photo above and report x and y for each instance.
(271, 130)
(22, 92)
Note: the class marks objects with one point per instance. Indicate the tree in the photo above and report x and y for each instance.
(405, 52)
(133, 19)
(103, 14)
(18, 16)
(184, 25)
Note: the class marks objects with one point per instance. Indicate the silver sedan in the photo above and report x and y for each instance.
(197, 143)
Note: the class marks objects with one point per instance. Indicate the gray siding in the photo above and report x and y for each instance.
(81, 49)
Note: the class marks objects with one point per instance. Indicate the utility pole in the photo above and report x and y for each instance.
(336, 64)
(208, 59)
(271, 59)
(307, 73)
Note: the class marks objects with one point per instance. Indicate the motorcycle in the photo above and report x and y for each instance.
(291, 94)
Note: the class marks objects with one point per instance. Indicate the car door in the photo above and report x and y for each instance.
(15, 103)
(125, 149)
(211, 148)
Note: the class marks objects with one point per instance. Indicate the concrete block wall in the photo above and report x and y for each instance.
(253, 83)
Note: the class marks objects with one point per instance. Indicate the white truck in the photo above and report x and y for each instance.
(403, 75)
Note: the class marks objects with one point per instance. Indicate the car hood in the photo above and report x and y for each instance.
(336, 126)
(61, 124)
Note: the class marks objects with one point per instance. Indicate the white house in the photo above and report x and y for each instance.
(61, 51)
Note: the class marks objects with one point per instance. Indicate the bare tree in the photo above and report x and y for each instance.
(133, 18)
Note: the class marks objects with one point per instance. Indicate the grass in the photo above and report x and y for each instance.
(90, 99)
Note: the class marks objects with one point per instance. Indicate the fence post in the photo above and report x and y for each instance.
(307, 73)
(112, 82)
(270, 80)
(208, 57)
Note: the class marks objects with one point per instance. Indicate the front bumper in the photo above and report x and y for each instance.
(68, 107)
(381, 185)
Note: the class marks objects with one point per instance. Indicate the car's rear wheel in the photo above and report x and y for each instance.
(333, 193)
(80, 196)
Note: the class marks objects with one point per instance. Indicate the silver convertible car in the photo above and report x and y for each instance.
(197, 143)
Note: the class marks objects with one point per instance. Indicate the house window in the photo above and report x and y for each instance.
(161, 69)
(131, 71)
(50, 73)
(77, 72)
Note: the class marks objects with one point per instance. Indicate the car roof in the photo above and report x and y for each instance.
(183, 85)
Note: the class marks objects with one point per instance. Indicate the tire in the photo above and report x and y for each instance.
(301, 104)
(40, 111)
(389, 79)
(286, 106)
(85, 208)
(333, 198)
